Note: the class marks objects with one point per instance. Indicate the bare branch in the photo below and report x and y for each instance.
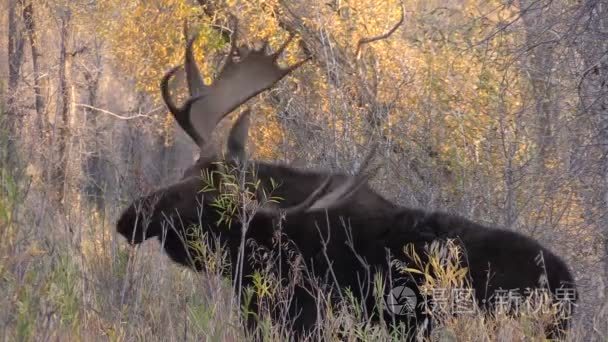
(118, 116)
(385, 35)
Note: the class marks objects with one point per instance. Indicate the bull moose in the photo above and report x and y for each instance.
(332, 227)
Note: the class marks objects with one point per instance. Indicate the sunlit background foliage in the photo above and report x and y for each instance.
(483, 108)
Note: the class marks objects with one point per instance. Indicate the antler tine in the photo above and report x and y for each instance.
(321, 200)
(310, 200)
(233, 43)
(181, 115)
(302, 206)
(164, 90)
(344, 192)
(196, 85)
(297, 65)
(278, 53)
(237, 138)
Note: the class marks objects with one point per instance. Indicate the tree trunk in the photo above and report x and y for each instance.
(30, 28)
(537, 18)
(62, 117)
(594, 102)
(600, 90)
(95, 183)
(15, 59)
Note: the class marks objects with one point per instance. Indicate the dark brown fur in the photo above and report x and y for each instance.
(373, 225)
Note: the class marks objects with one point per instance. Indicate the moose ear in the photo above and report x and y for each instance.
(237, 139)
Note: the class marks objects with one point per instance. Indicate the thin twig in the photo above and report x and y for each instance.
(118, 116)
(385, 35)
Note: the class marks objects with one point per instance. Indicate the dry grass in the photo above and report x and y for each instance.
(68, 276)
(65, 275)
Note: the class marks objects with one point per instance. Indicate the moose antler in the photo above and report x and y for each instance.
(181, 114)
(193, 74)
(321, 200)
(237, 82)
(344, 192)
